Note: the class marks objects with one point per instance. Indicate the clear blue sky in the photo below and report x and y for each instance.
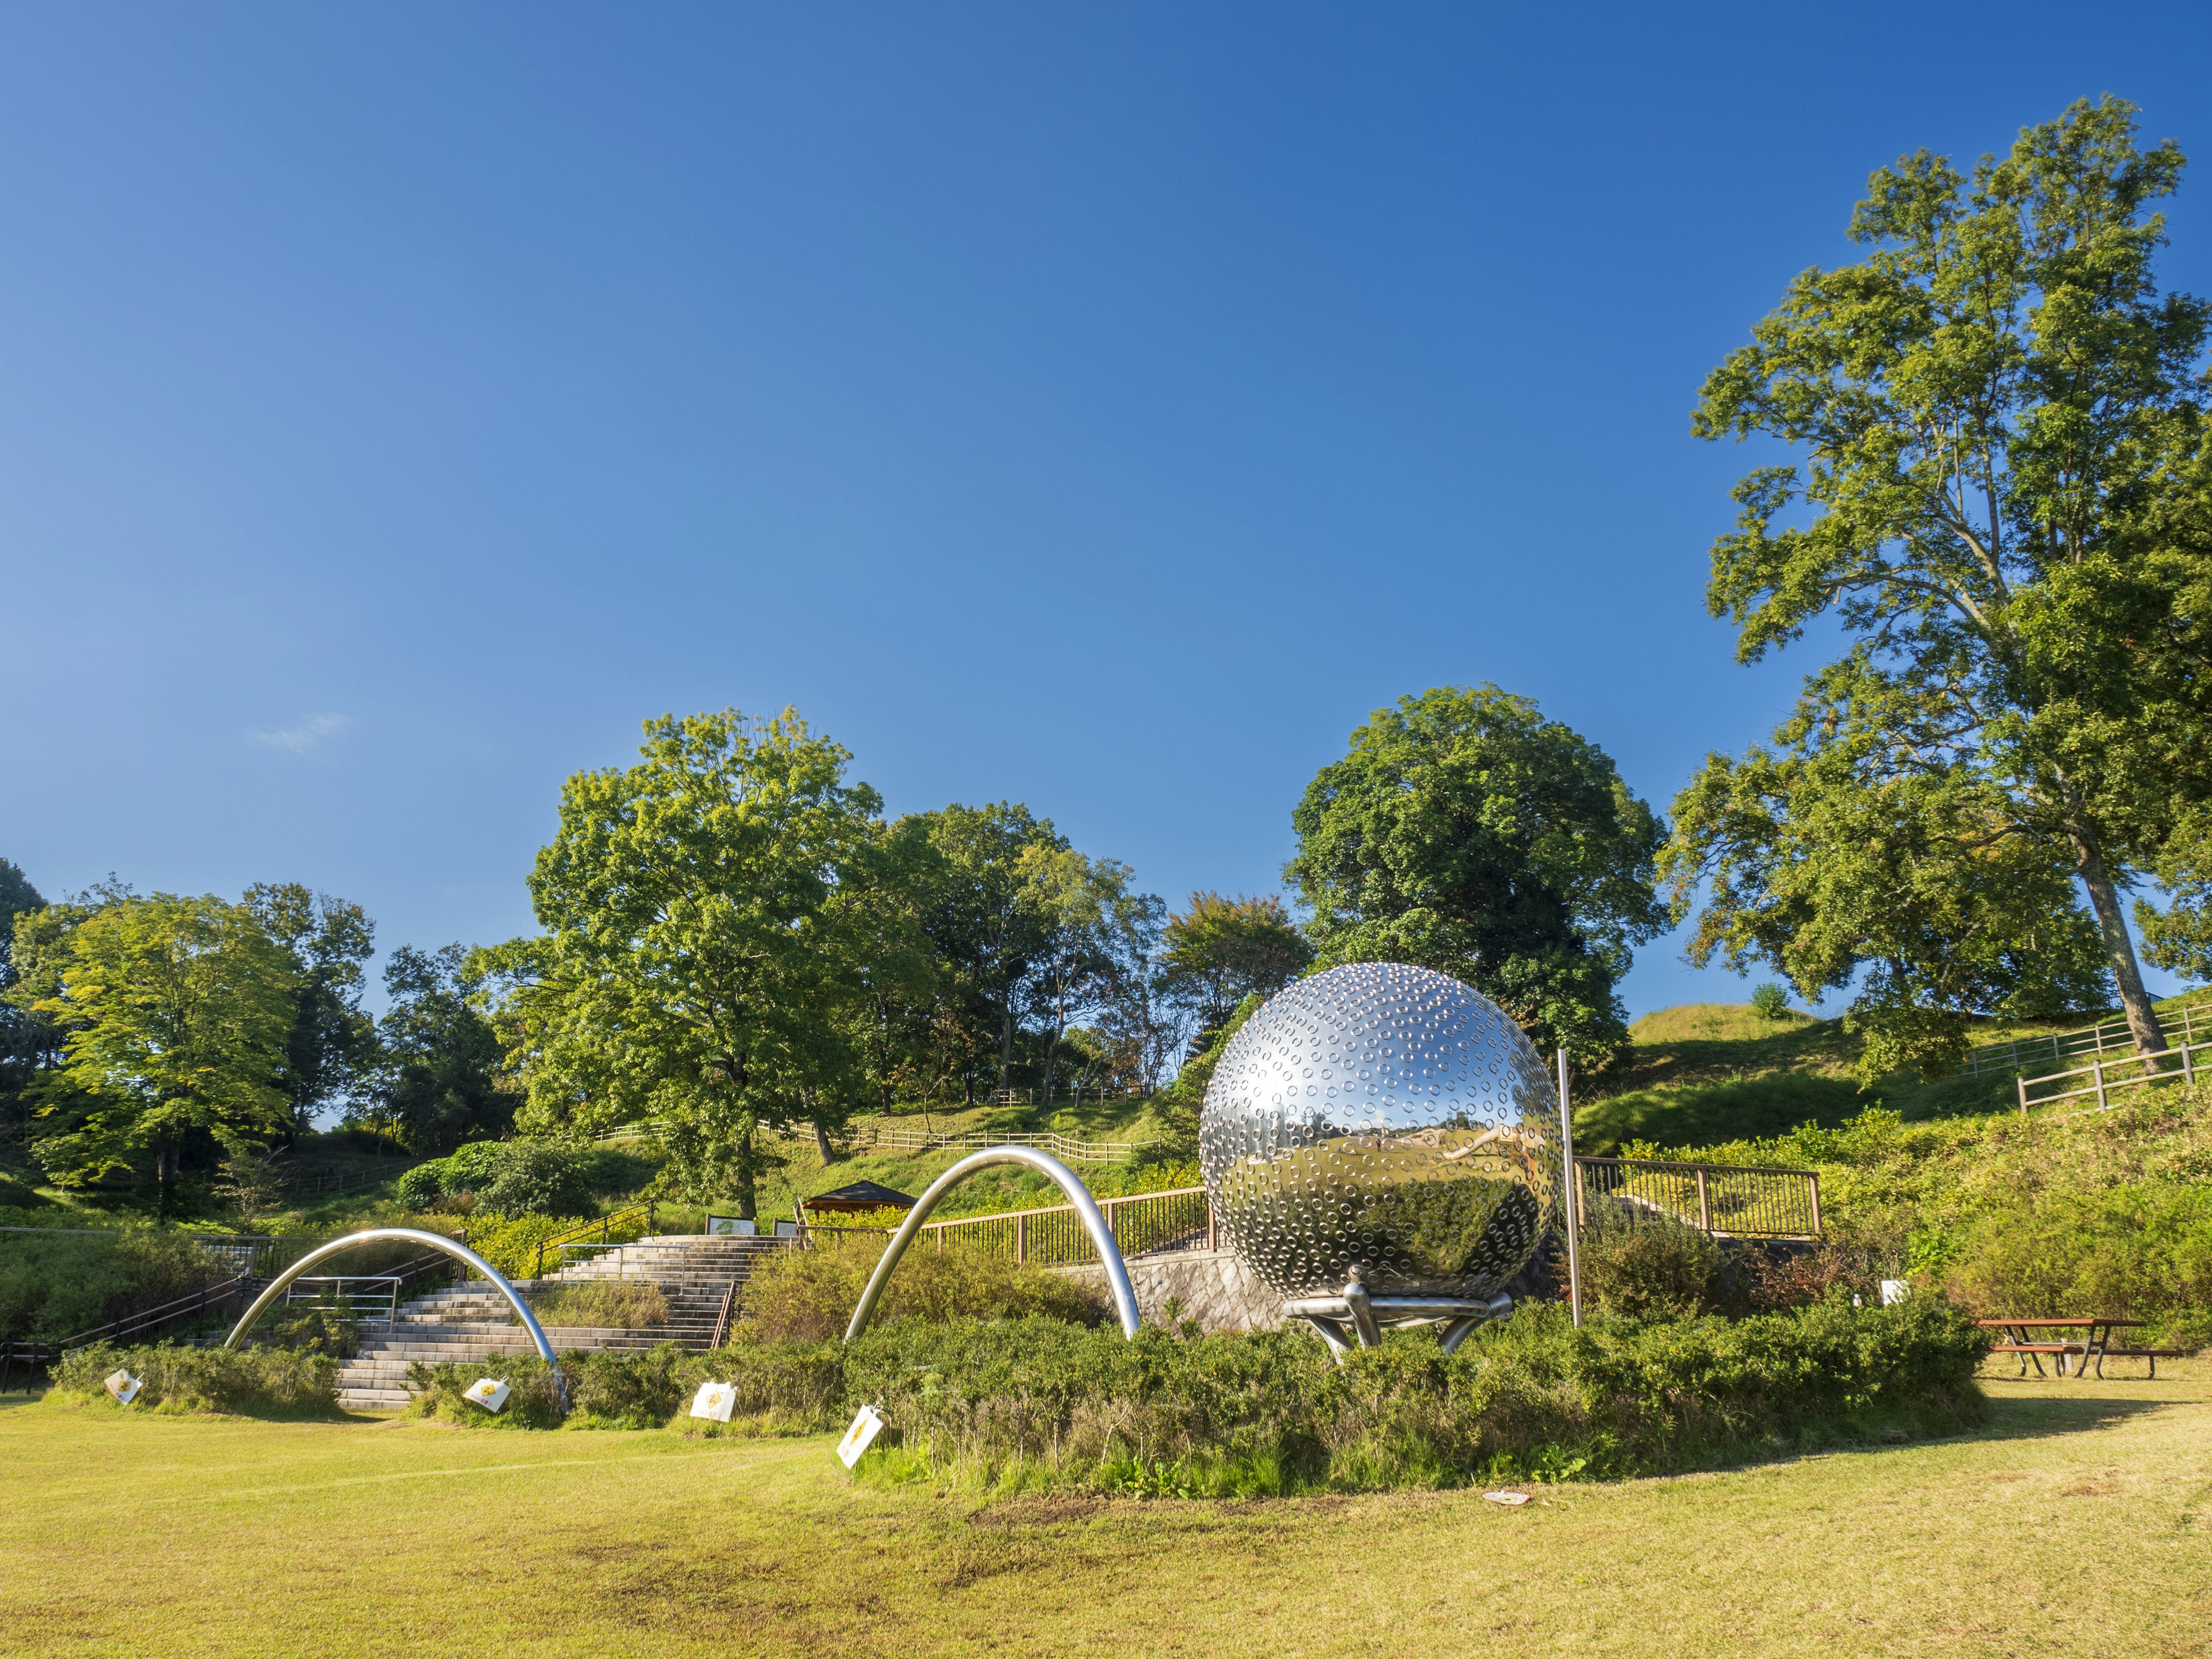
(1101, 407)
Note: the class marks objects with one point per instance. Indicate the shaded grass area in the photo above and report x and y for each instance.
(2078, 1519)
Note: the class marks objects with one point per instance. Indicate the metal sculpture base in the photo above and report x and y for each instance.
(1358, 1318)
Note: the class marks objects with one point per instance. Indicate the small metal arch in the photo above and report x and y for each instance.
(1086, 1207)
(452, 1248)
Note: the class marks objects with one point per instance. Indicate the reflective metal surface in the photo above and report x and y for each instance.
(1385, 1124)
(1086, 1209)
(452, 1248)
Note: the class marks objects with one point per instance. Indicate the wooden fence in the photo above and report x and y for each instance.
(2112, 1038)
(1149, 1224)
(1726, 1200)
(2108, 1074)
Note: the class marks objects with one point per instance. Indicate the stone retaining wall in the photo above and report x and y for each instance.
(1212, 1286)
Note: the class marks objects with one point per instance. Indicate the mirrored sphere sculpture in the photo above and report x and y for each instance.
(1382, 1125)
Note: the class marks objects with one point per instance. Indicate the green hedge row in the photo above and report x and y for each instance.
(1039, 1403)
(251, 1382)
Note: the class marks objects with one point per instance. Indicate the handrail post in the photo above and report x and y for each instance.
(1021, 1238)
(2188, 1064)
(2097, 1067)
(1704, 1203)
(2022, 1081)
(1813, 1179)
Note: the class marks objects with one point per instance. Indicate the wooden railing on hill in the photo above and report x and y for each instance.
(2107, 1073)
(1725, 1200)
(1149, 1224)
(1066, 1148)
(2113, 1037)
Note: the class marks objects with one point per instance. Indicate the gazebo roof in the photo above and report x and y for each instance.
(861, 1195)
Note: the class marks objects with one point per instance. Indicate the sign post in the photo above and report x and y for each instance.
(1570, 1195)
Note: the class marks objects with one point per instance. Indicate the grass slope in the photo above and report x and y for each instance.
(1708, 1072)
(2080, 1520)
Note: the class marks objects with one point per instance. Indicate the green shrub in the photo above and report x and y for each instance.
(1769, 1001)
(56, 1285)
(1649, 1268)
(612, 1305)
(1041, 1403)
(249, 1381)
(808, 1296)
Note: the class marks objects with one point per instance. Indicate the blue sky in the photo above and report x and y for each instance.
(1099, 407)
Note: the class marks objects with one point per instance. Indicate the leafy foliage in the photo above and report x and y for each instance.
(808, 1296)
(2000, 417)
(1770, 1000)
(1037, 1403)
(248, 1381)
(439, 1079)
(1220, 951)
(1465, 833)
(58, 1285)
(332, 1047)
(177, 1013)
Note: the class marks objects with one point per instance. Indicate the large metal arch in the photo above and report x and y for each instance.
(452, 1246)
(1086, 1207)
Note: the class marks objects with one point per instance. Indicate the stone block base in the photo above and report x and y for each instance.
(1212, 1286)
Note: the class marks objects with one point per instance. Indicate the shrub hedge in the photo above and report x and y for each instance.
(249, 1382)
(1038, 1403)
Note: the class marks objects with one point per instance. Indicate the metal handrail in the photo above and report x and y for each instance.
(604, 1225)
(2017, 1054)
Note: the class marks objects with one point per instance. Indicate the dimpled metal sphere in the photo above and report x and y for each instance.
(1384, 1118)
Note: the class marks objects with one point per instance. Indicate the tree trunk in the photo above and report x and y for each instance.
(822, 1145)
(1006, 1047)
(745, 1174)
(2119, 946)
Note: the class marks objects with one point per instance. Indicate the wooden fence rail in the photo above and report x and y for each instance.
(1725, 1200)
(2112, 1037)
(2107, 1073)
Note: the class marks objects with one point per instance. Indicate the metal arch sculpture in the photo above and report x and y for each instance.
(452, 1248)
(1086, 1207)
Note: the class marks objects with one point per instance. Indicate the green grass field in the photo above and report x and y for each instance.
(2083, 1518)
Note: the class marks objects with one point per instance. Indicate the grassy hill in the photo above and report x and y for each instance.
(1708, 1072)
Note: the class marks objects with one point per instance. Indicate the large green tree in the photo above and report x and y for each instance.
(2000, 505)
(694, 965)
(332, 1051)
(1465, 833)
(439, 1079)
(175, 1014)
(1220, 950)
(21, 1039)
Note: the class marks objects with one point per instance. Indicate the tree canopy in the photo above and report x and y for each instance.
(1220, 950)
(693, 964)
(1464, 832)
(175, 1014)
(2001, 504)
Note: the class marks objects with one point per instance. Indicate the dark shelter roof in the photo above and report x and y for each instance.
(861, 1195)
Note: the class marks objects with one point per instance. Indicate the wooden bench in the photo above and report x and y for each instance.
(2153, 1355)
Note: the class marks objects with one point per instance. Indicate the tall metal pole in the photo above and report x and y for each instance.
(1571, 1194)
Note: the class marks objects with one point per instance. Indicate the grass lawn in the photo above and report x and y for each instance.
(2083, 1516)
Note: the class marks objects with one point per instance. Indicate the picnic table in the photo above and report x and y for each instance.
(2094, 1343)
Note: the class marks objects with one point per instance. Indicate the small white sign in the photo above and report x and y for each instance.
(857, 1439)
(1894, 1291)
(123, 1386)
(487, 1392)
(1510, 1499)
(713, 1400)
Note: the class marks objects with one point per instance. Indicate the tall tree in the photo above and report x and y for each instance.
(1220, 950)
(22, 1043)
(1090, 922)
(332, 1051)
(176, 1013)
(985, 922)
(1465, 833)
(439, 1080)
(2002, 507)
(692, 965)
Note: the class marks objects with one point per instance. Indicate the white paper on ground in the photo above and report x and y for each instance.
(857, 1439)
(488, 1392)
(124, 1387)
(713, 1400)
(1894, 1291)
(1507, 1497)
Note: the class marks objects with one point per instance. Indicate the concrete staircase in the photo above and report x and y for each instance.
(471, 1321)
